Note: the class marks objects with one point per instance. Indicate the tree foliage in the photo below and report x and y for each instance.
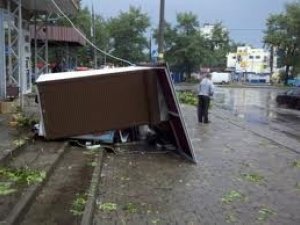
(219, 46)
(127, 34)
(83, 20)
(184, 55)
(186, 49)
(123, 36)
(283, 33)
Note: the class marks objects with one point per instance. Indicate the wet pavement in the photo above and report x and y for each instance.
(247, 171)
(257, 106)
(240, 178)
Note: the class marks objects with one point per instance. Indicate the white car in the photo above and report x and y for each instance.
(220, 78)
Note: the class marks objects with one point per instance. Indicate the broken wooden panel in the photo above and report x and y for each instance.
(176, 119)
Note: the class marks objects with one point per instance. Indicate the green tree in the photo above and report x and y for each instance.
(187, 23)
(186, 50)
(184, 46)
(219, 46)
(283, 33)
(83, 21)
(127, 35)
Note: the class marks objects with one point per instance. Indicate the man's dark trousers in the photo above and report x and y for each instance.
(203, 105)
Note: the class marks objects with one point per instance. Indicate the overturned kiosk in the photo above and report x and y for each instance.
(80, 104)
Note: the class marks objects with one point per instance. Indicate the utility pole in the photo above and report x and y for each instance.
(94, 37)
(161, 31)
(150, 48)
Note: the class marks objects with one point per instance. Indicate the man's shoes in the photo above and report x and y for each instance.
(207, 122)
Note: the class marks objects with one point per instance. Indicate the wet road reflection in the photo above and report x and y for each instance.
(258, 105)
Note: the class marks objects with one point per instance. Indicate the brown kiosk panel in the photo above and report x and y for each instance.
(93, 104)
(80, 103)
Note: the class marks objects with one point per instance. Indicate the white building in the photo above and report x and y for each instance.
(251, 60)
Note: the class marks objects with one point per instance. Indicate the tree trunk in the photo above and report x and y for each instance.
(271, 59)
(290, 55)
(286, 78)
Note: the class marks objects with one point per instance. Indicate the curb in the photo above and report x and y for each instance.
(22, 206)
(87, 218)
(13, 152)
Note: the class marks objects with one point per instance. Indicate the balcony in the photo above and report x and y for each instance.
(46, 6)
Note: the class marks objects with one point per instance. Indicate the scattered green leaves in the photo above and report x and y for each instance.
(5, 188)
(125, 178)
(231, 218)
(187, 97)
(232, 196)
(78, 204)
(91, 152)
(296, 164)
(253, 177)
(130, 207)
(19, 119)
(264, 214)
(22, 175)
(264, 143)
(92, 164)
(108, 207)
(155, 221)
(19, 142)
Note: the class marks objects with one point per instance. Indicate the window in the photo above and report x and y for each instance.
(251, 57)
(265, 59)
(257, 57)
(233, 57)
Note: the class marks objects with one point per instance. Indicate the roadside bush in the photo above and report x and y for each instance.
(187, 97)
(19, 119)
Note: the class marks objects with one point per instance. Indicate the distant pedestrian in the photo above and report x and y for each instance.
(57, 68)
(206, 90)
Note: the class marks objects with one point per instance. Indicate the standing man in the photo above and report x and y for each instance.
(206, 90)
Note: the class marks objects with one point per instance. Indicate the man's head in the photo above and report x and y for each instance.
(208, 76)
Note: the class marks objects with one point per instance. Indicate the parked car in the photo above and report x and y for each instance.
(290, 98)
(294, 82)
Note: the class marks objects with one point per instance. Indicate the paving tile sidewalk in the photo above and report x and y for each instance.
(240, 178)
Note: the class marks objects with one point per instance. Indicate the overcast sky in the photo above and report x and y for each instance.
(245, 19)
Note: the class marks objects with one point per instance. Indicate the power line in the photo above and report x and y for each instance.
(245, 29)
(86, 39)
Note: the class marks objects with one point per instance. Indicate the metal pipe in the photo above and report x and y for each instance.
(20, 47)
(35, 43)
(161, 29)
(9, 68)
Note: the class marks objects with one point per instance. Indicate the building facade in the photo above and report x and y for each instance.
(16, 51)
(251, 60)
